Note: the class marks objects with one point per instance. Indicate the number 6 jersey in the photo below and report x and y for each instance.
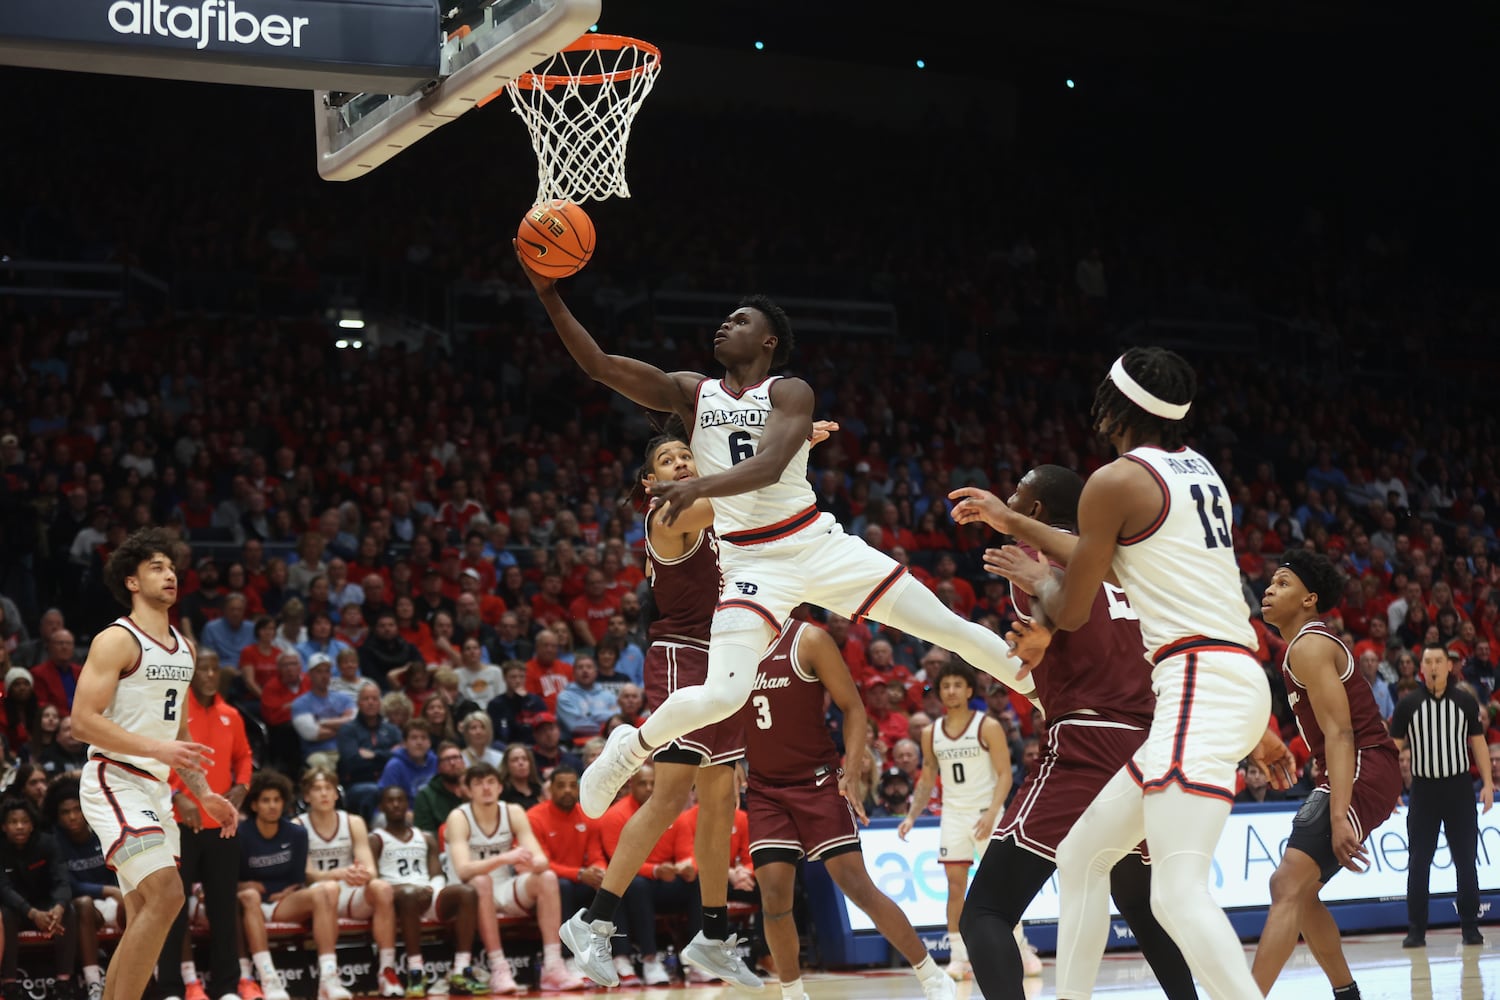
(726, 430)
(150, 695)
(1179, 572)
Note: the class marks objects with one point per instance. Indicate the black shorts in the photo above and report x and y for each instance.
(1377, 789)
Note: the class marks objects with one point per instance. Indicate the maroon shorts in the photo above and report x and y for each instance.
(1377, 789)
(810, 820)
(1081, 755)
(673, 665)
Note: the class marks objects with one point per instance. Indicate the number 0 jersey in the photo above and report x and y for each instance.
(150, 695)
(1180, 573)
(964, 760)
(727, 429)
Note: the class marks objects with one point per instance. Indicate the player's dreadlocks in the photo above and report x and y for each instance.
(670, 429)
(780, 325)
(1161, 372)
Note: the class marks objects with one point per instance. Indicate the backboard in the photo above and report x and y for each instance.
(485, 47)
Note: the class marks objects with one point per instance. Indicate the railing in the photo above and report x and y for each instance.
(55, 279)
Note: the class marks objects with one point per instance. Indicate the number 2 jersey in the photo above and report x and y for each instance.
(150, 695)
(727, 428)
(1179, 572)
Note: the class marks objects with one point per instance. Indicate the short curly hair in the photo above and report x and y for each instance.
(780, 325)
(125, 561)
(1318, 575)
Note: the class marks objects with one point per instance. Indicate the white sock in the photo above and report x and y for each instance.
(414, 962)
(189, 973)
(552, 953)
(792, 990)
(733, 659)
(247, 971)
(927, 969)
(328, 967)
(263, 963)
(462, 960)
(387, 958)
(497, 960)
(93, 974)
(957, 950)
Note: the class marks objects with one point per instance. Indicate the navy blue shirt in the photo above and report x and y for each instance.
(275, 862)
(87, 871)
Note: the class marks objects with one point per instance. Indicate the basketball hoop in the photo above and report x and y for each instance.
(579, 106)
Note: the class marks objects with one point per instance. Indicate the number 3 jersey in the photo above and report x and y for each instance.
(150, 695)
(727, 429)
(786, 738)
(1179, 572)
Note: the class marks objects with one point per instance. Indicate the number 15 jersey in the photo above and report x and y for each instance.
(727, 428)
(1180, 572)
(150, 695)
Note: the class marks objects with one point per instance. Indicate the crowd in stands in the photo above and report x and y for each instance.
(411, 565)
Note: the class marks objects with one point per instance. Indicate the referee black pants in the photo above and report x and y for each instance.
(1446, 802)
(210, 859)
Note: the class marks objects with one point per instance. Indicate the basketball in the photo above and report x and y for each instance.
(556, 238)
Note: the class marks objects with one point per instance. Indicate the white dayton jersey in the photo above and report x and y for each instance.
(335, 852)
(486, 844)
(727, 429)
(402, 862)
(1179, 572)
(151, 696)
(964, 762)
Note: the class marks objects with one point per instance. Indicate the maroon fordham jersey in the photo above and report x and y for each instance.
(686, 589)
(1364, 714)
(1099, 666)
(786, 737)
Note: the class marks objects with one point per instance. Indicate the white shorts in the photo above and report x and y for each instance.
(353, 903)
(770, 573)
(1212, 707)
(131, 813)
(507, 896)
(956, 841)
(109, 911)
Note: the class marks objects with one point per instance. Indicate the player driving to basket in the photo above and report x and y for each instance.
(131, 708)
(750, 434)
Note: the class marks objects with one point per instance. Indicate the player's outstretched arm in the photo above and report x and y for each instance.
(787, 429)
(112, 653)
(974, 504)
(635, 380)
(816, 648)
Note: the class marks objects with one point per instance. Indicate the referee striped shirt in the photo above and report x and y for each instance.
(1437, 730)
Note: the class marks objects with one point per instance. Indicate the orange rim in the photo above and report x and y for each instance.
(594, 42)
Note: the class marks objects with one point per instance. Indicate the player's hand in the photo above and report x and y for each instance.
(540, 282)
(677, 495)
(591, 877)
(181, 755)
(1346, 846)
(687, 871)
(187, 809)
(665, 873)
(984, 826)
(822, 431)
(223, 812)
(1029, 642)
(1275, 761)
(742, 878)
(1487, 798)
(975, 504)
(855, 805)
(41, 919)
(905, 827)
(1012, 562)
(259, 887)
(357, 874)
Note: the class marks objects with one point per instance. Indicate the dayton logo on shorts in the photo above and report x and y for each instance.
(748, 589)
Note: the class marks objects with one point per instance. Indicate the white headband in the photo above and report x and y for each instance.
(1142, 397)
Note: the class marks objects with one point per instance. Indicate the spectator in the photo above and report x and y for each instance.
(277, 697)
(56, 679)
(320, 639)
(478, 741)
(571, 839)
(309, 562)
(477, 680)
(66, 753)
(607, 660)
(584, 706)
(510, 643)
(365, 745)
(32, 651)
(445, 688)
(440, 719)
(521, 783)
(412, 764)
(21, 707)
(893, 725)
(513, 711)
(44, 739)
(97, 901)
(590, 613)
(444, 792)
(319, 713)
(468, 621)
(415, 681)
(632, 704)
(346, 675)
(30, 784)
(229, 633)
(386, 651)
(1257, 786)
(342, 590)
(1369, 669)
(893, 795)
(397, 708)
(352, 630)
(290, 632)
(546, 673)
(546, 749)
(257, 661)
(34, 893)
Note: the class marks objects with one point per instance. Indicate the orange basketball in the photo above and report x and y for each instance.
(556, 238)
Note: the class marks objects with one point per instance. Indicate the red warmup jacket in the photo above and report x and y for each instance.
(220, 726)
(570, 839)
(613, 821)
(686, 828)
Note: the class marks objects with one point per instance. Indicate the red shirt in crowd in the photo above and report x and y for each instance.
(276, 700)
(596, 613)
(570, 839)
(613, 822)
(548, 681)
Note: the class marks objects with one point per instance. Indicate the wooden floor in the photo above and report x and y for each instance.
(1444, 970)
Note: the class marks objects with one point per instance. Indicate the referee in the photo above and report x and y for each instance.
(1440, 723)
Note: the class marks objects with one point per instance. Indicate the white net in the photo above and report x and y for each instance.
(579, 106)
